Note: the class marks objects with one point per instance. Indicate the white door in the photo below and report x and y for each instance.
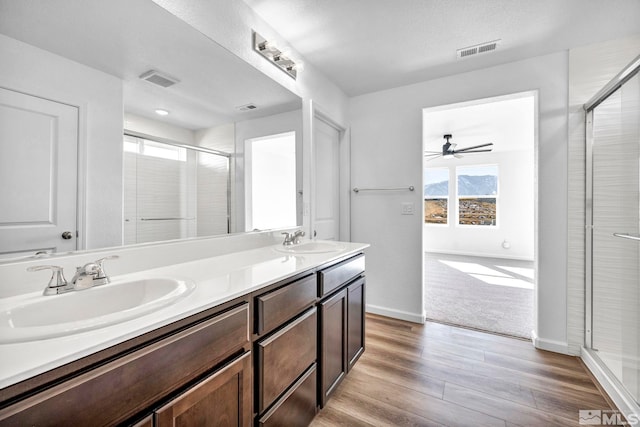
(326, 155)
(38, 175)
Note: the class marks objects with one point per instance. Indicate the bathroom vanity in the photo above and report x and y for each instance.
(264, 338)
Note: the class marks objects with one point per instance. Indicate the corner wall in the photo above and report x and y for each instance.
(386, 138)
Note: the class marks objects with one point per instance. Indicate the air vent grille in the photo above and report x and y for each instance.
(467, 52)
(478, 49)
(158, 78)
(247, 107)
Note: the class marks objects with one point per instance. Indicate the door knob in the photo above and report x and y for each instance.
(67, 235)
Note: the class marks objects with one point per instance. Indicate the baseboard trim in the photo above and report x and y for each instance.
(550, 345)
(616, 391)
(396, 314)
(477, 255)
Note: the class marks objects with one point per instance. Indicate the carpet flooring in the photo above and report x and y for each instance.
(489, 294)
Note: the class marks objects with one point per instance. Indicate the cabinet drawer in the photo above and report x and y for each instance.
(222, 398)
(117, 390)
(284, 356)
(333, 277)
(276, 307)
(298, 405)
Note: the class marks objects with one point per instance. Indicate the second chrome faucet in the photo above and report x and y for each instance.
(292, 238)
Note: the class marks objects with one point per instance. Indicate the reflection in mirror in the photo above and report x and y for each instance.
(270, 198)
(174, 192)
(142, 177)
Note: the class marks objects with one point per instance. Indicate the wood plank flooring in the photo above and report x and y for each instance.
(440, 375)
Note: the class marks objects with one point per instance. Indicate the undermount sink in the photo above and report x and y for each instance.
(311, 248)
(73, 312)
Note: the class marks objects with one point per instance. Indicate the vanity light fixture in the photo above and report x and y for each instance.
(162, 112)
(277, 56)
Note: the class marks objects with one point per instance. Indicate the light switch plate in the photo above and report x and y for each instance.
(407, 208)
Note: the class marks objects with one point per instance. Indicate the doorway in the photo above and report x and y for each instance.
(479, 214)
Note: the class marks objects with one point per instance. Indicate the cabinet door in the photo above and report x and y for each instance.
(333, 361)
(222, 399)
(355, 321)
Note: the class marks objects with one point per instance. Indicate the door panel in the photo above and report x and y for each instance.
(615, 260)
(38, 174)
(326, 154)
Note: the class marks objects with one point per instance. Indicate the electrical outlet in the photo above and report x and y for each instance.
(407, 209)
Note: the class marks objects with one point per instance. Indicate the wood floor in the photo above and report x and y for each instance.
(439, 375)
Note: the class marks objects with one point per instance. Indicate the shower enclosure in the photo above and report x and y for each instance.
(613, 232)
(174, 191)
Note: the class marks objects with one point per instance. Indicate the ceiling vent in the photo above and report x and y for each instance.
(478, 49)
(158, 78)
(247, 107)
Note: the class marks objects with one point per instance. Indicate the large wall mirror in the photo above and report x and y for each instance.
(121, 124)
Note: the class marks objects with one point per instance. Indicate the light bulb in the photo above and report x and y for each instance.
(162, 112)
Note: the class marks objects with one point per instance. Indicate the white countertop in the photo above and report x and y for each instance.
(218, 279)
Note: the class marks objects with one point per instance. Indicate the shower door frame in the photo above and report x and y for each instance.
(615, 388)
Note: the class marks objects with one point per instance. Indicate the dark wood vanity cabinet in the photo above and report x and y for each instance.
(268, 358)
(117, 389)
(342, 288)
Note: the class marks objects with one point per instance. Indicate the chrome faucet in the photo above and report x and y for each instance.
(292, 238)
(91, 274)
(57, 284)
(87, 276)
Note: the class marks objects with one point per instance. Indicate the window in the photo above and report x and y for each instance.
(477, 195)
(436, 195)
(160, 150)
(270, 181)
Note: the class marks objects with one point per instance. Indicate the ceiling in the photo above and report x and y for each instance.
(370, 45)
(125, 38)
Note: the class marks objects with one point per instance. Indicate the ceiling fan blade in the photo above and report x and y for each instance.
(433, 152)
(474, 147)
(473, 151)
(432, 158)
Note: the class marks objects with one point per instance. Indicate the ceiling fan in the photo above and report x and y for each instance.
(448, 149)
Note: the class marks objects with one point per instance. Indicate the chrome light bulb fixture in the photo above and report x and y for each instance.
(280, 57)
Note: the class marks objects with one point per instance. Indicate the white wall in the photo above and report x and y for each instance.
(146, 126)
(99, 99)
(386, 143)
(514, 211)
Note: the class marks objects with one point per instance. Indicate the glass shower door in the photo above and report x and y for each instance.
(616, 227)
